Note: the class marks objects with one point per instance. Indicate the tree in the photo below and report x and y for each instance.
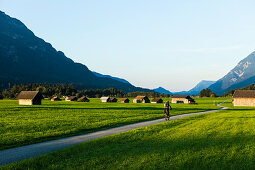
(205, 93)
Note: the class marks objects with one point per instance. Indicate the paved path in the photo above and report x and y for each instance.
(29, 151)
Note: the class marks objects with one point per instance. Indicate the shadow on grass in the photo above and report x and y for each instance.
(145, 150)
(103, 127)
(90, 130)
(76, 132)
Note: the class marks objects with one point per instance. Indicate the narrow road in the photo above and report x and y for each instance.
(29, 151)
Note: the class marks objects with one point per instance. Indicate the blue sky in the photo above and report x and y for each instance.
(174, 44)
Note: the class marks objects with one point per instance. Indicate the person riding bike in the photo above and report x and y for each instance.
(166, 110)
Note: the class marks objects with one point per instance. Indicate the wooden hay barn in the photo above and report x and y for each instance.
(105, 99)
(30, 98)
(244, 98)
(55, 99)
(71, 98)
(183, 99)
(113, 99)
(141, 99)
(83, 99)
(108, 99)
(157, 100)
(124, 100)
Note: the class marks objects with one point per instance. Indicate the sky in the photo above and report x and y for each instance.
(150, 43)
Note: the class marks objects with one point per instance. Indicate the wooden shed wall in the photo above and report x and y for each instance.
(104, 100)
(244, 101)
(25, 102)
(175, 100)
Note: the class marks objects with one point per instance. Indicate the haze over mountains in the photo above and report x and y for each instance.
(240, 76)
(194, 91)
(26, 58)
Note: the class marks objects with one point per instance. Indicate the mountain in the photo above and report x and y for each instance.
(242, 75)
(111, 77)
(161, 90)
(26, 58)
(196, 90)
(200, 86)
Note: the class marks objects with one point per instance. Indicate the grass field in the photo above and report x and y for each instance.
(220, 140)
(20, 125)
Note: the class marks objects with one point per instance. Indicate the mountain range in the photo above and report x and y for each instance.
(26, 58)
(162, 90)
(240, 76)
(200, 86)
(111, 77)
(196, 90)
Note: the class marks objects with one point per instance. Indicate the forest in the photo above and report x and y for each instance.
(60, 90)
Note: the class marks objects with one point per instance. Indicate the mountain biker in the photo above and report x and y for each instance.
(166, 110)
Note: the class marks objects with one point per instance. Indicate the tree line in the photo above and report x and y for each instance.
(207, 93)
(60, 90)
(231, 91)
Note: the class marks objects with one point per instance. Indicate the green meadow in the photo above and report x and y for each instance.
(22, 125)
(219, 140)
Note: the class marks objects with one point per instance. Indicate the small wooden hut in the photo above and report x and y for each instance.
(30, 98)
(244, 98)
(157, 100)
(83, 99)
(141, 99)
(183, 99)
(71, 98)
(113, 99)
(55, 99)
(108, 99)
(105, 99)
(124, 100)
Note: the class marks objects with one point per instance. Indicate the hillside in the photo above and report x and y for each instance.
(200, 86)
(111, 77)
(26, 58)
(162, 90)
(196, 90)
(242, 75)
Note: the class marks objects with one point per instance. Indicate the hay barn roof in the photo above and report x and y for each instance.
(84, 97)
(71, 97)
(28, 94)
(123, 99)
(181, 96)
(156, 99)
(244, 94)
(140, 97)
(53, 98)
(104, 98)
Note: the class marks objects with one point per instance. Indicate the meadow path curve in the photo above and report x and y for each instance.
(24, 152)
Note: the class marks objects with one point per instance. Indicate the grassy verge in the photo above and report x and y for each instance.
(220, 140)
(21, 125)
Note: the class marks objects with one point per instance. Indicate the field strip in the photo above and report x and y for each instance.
(29, 151)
